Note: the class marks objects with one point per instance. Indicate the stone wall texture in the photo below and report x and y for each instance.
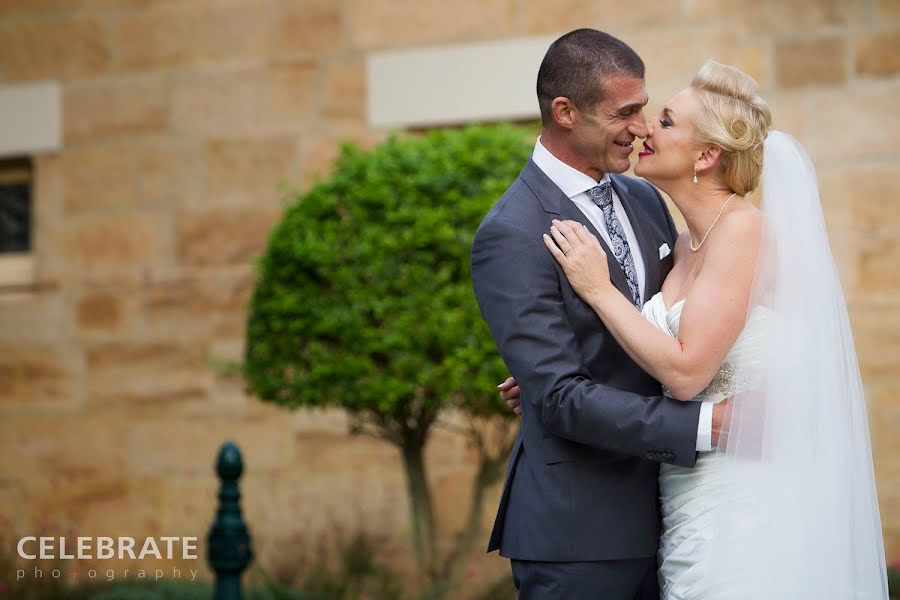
(185, 123)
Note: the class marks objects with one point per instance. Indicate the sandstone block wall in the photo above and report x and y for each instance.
(185, 123)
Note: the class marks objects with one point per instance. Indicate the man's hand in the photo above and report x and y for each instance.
(509, 393)
(720, 423)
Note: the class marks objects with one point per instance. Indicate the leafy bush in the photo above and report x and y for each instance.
(364, 301)
(364, 297)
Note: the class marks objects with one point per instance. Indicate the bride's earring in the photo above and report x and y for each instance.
(695, 174)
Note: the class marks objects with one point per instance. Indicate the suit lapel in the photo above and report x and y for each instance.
(638, 219)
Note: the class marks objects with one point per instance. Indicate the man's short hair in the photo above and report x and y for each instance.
(577, 65)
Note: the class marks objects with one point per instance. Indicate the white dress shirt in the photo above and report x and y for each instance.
(575, 185)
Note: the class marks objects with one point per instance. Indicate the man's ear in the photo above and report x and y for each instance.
(708, 159)
(563, 111)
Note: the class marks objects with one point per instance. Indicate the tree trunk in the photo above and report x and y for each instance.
(424, 534)
(490, 470)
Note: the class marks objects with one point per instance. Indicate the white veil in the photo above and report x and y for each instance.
(801, 515)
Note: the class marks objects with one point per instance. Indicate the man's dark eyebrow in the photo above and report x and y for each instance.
(634, 106)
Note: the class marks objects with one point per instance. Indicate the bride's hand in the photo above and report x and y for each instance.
(582, 258)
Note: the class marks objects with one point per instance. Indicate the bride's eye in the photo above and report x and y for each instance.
(665, 122)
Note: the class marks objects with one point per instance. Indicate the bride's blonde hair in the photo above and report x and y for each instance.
(735, 118)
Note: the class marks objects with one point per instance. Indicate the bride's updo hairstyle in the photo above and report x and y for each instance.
(735, 118)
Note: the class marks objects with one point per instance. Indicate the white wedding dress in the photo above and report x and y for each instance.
(786, 507)
(689, 498)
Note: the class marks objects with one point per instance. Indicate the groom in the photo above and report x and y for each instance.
(579, 515)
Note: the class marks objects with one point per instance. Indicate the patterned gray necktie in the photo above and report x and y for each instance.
(602, 197)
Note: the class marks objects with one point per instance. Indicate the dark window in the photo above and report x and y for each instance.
(15, 205)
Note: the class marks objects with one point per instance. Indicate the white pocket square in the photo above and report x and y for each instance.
(664, 251)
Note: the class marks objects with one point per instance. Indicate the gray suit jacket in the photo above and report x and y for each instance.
(582, 480)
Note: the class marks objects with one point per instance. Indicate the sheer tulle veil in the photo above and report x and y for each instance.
(801, 517)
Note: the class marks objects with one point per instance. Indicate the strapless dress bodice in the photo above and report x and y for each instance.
(741, 367)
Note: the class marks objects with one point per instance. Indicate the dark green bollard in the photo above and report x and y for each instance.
(228, 541)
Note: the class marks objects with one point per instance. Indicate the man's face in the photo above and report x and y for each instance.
(603, 137)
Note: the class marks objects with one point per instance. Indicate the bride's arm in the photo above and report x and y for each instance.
(714, 313)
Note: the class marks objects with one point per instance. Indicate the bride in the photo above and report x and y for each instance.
(752, 312)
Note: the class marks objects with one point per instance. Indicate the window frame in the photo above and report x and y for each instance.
(31, 119)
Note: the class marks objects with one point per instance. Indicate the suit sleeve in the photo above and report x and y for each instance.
(517, 285)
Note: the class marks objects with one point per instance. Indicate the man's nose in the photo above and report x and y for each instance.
(639, 127)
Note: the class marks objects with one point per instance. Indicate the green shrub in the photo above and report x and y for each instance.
(364, 298)
(364, 301)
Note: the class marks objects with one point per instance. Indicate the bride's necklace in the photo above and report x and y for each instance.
(721, 210)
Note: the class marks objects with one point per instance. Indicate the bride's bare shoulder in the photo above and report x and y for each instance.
(739, 231)
(743, 216)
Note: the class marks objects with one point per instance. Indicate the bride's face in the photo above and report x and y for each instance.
(669, 152)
